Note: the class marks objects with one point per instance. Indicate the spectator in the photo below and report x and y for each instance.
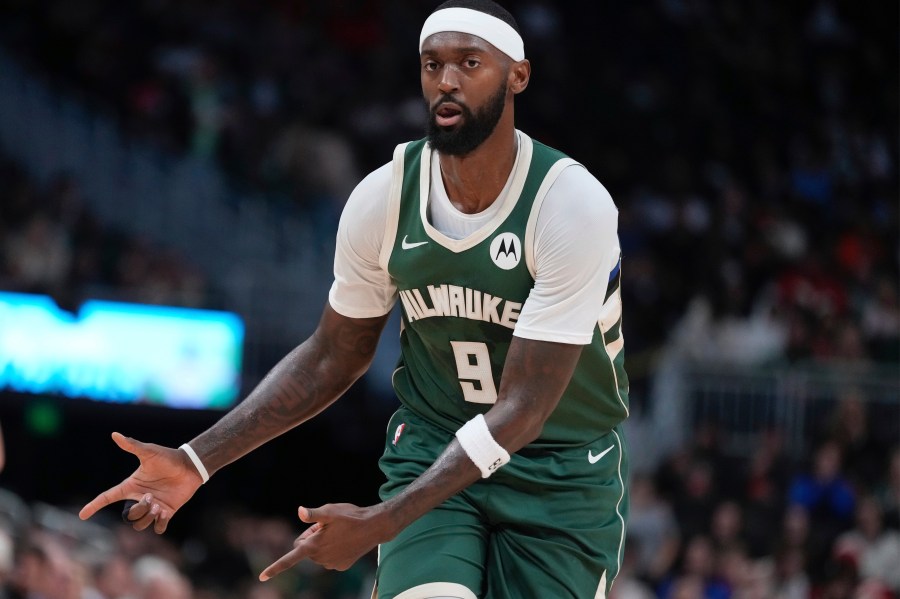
(888, 491)
(840, 582)
(826, 500)
(653, 530)
(158, 579)
(114, 578)
(767, 473)
(696, 500)
(628, 583)
(727, 525)
(823, 491)
(45, 570)
(39, 256)
(881, 320)
(29, 572)
(739, 573)
(7, 548)
(785, 574)
(849, 426)
(697, 571)
(874, 550)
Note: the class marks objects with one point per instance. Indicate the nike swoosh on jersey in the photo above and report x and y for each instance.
(408, 246)
(593, 459)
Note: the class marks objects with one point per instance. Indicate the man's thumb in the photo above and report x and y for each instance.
(126, 443)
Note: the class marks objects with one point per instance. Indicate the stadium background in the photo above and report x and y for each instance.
(198, 154)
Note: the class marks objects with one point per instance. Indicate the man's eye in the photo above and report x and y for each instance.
(472, 63)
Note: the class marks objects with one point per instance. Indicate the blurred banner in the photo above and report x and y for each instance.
(121, 353)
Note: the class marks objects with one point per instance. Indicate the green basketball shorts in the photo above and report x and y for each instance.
(549, 524)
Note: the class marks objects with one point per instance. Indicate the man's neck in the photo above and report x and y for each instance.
(475, 180)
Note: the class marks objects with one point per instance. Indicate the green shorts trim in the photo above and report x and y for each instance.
(551, 523)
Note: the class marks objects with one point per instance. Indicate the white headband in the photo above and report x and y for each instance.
(465, 20)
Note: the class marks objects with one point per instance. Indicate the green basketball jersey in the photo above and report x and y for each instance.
(461, 300)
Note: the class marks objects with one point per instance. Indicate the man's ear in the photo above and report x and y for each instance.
(519, 74)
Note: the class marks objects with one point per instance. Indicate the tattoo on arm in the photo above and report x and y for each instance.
(535, 376)
(302, 384)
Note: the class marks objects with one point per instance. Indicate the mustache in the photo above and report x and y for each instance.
(448, 99)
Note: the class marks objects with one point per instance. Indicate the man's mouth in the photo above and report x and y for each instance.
(447, 114)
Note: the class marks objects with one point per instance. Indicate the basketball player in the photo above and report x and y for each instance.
(505, 463)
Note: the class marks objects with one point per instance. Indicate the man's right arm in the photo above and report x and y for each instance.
(302, 384)
(321, 369)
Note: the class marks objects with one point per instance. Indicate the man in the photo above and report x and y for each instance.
(505, 464)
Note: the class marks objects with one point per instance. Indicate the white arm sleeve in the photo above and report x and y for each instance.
(576, 247)
(361, 288)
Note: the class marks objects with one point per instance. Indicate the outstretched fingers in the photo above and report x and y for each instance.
(118, 492)
(286, 561)
(107, 497)
(132, 446)
(301, 550)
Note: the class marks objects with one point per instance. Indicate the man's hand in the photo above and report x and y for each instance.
(340, 534)
(163, 482)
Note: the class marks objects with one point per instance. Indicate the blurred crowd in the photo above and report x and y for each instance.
(703, 524)
(751, 149)
(52, 243)
(46, 553)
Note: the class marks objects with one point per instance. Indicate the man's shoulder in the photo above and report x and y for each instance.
(378, 180)
(577, 183)
(576, 172)
(414, 143)
(540, 148)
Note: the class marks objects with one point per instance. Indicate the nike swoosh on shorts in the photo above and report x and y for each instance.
(593, 459)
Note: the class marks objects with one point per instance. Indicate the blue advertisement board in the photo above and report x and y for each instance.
(119, 352)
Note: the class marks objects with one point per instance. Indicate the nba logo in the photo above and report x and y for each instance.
(399, 432)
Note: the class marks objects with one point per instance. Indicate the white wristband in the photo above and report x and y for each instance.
(196, 460)
(478, 443)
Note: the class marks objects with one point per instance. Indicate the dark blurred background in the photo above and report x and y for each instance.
(198, 154)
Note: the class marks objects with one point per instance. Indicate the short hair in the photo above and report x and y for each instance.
(486, 6)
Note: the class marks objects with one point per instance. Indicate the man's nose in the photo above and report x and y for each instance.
(449, 82)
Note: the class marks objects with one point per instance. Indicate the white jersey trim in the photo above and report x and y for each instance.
(610, 313)
(438, 589)
(520, 174)
(568, 281)
(393, 209)
(619, 510)
(546, 184)
(601, 588)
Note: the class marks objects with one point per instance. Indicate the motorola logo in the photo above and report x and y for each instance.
(506, 250)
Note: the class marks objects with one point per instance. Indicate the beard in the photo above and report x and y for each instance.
(473, 129)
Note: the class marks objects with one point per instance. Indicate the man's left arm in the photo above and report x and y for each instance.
(534, 378)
